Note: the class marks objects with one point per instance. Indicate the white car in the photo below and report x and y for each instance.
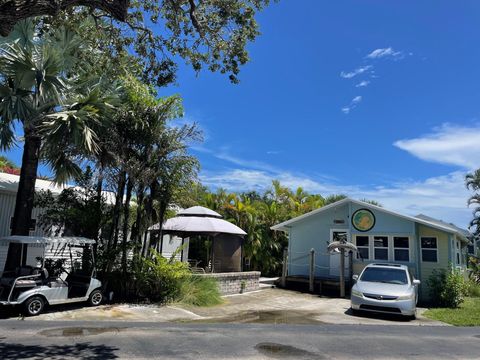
(33, 287)
(385, 288)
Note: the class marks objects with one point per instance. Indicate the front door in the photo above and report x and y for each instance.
(337, 235)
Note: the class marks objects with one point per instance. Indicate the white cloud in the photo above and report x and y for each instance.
(443, 197)
(385, 52)
(363, 83)
(356, 99)
(448, 144)
(353, 104)
(357, 71)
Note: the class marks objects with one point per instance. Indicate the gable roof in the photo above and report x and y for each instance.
(421, 219)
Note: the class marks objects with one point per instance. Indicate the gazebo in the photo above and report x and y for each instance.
(208, 241)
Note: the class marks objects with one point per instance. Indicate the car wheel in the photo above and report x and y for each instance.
(34, 305)
(354, 312)
(95, 298)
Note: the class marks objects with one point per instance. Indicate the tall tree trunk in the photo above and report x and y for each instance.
(98, 200)
(148, 219)
(26, 187)
(113, 239)
(136, 235)
(126, 220)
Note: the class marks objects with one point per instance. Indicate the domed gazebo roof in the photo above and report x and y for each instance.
(199, 211)
(198, 220)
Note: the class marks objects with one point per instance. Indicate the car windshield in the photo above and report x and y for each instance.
(385, 275)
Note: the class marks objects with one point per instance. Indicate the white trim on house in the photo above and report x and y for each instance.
(284, 226)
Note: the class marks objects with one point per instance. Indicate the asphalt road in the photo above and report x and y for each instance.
(126, 340)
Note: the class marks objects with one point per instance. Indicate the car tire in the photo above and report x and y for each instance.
(95, 298)
(34, 306)
(355, 312)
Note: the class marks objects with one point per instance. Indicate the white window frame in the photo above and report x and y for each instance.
(398, 248)
(430, 249)
(372, 239)
(364, 247)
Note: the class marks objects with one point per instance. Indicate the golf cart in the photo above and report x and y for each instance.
(33, 286)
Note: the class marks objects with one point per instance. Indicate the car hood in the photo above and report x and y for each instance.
(382, 288)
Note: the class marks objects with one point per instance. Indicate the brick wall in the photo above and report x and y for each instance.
(236, 282)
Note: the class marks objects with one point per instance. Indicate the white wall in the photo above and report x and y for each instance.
(172, 243)
(7, 207)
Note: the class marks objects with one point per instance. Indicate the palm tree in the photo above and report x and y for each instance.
(43, 90)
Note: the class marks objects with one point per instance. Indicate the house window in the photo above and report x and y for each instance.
(401, 251)
(429, 249)
(362, 246)
(380, 244)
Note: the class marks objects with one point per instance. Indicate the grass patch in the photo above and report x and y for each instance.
(199, 291)
(468, 314)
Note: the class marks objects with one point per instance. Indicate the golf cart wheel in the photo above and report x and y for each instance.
(34, 306)
(95, 298)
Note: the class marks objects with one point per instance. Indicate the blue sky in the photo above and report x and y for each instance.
(373, 99)
(322, 106)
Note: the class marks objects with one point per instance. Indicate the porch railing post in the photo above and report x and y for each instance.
(311, 284)
(283, 281)
(342, 272)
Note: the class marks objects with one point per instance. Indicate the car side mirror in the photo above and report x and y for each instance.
(355, 277)
(416, 282)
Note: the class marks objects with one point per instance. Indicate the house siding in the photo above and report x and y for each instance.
(314, 233)
(443, 257)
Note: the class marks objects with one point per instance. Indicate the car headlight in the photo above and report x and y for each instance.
(356, 293)
(406, 297)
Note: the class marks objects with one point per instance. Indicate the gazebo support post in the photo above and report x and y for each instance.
(342, 272)
(213, 253)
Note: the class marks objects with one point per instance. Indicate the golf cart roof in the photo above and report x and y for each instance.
(71, 240)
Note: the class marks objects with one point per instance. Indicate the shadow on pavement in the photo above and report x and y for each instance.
(77, 351)
(16, 311)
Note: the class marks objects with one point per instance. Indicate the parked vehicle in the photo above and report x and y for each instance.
(33, 287)
(385, 288)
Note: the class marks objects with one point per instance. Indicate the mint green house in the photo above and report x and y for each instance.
(380, 235)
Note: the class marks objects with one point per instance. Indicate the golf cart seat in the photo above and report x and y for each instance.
(9, 278)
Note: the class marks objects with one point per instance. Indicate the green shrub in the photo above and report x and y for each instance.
(159, 279)
(473, 289)
(448, 288)
(199, 291)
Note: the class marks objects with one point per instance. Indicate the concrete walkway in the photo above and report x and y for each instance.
(269, 306)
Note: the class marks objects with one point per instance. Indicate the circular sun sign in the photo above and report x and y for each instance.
(363, 220)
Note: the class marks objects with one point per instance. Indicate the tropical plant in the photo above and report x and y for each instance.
(57, 108)
(8, 166)
(159, 279)
(472, 182)
(199, 291)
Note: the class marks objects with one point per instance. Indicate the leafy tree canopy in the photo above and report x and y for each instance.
(208, 33)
